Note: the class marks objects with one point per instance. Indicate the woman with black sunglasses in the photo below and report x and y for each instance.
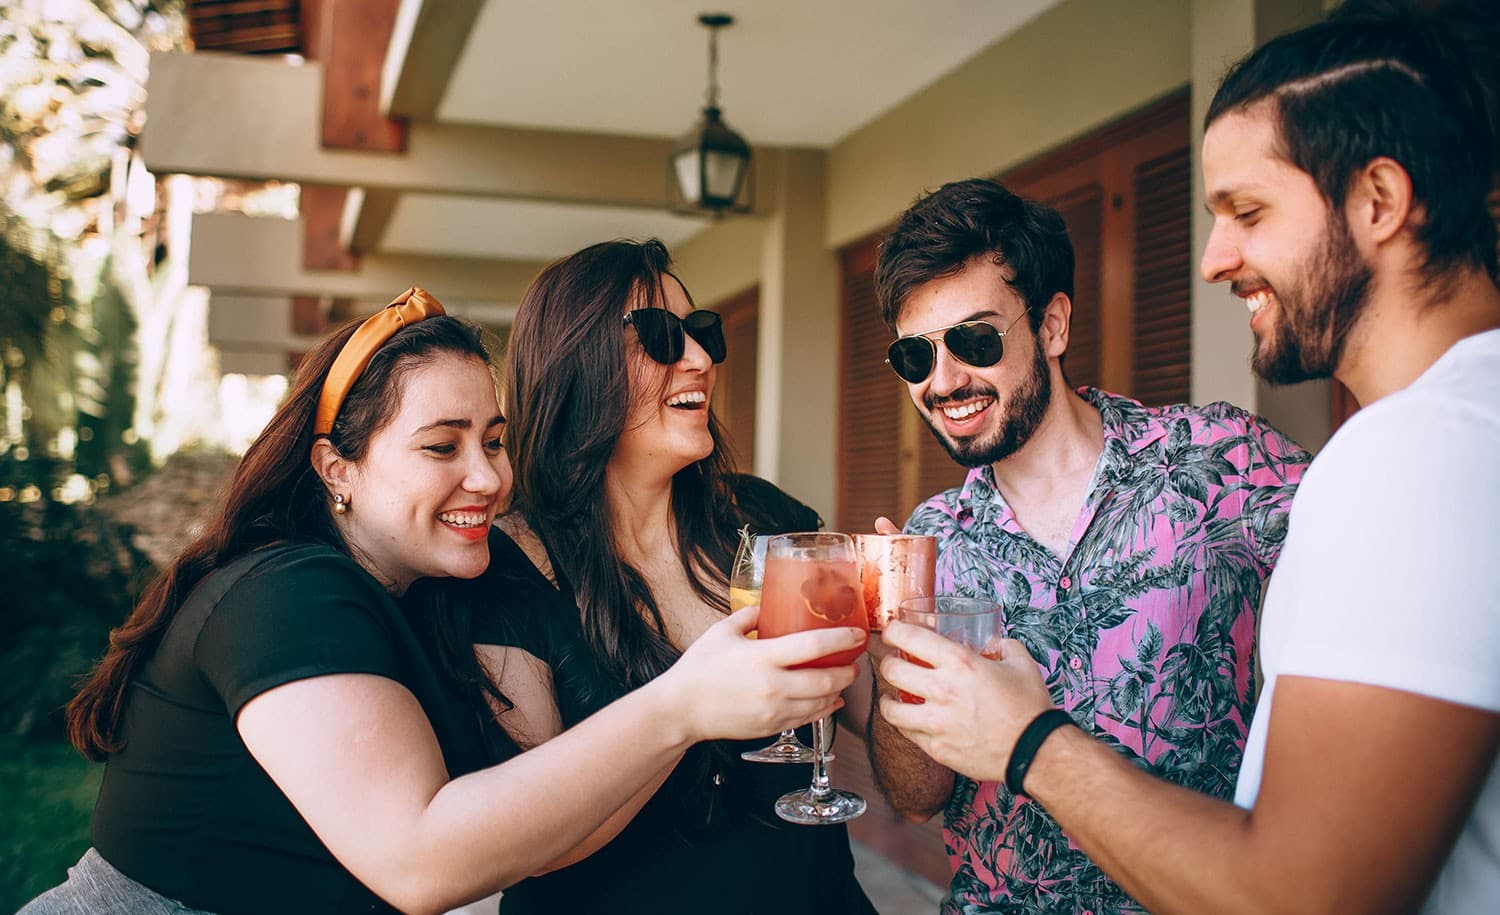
(613, 560)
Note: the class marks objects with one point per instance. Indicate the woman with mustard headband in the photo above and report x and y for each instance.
(613, 564)
(275, 736)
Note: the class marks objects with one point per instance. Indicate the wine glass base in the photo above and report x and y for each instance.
(802, 808)
(782, 753)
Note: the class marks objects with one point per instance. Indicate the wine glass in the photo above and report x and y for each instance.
(744, 589)
(812, 582)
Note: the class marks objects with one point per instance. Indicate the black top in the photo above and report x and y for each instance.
(184, 808)
(708, 840)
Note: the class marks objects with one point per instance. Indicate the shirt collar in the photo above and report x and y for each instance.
(1128, 426)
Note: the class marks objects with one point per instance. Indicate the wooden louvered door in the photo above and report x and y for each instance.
(1163, 279)
(872, 402)
(1124, 193)
(734, 389)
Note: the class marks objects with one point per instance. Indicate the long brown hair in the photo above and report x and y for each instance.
(568, 391)
(275, 496)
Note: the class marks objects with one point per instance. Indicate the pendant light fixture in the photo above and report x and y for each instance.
(710, 166)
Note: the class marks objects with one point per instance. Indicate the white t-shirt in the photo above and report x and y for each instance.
(1388, 576)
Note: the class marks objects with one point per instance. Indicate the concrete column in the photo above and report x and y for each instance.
(797, 362)
(1222, 32)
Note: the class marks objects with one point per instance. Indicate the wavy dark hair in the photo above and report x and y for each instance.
(275, 496)
(1384, 78)
(568, 393)
(961, 220)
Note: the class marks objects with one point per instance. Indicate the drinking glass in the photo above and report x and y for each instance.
(894, 568)
(812, 582)
(745, 580)
(971, 622)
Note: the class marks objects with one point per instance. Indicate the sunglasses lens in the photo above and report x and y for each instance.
(707, 328)
(911, 358)
(976, 343)
(660, 333)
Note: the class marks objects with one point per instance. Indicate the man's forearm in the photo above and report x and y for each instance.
(915, 785)
(1171, 849)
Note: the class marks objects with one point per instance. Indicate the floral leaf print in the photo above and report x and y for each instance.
(1149, 647)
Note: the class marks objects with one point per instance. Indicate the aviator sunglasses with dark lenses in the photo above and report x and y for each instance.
(976, 343)
(661, 333)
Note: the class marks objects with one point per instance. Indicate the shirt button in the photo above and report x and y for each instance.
(1076, 664)
(1065, 582)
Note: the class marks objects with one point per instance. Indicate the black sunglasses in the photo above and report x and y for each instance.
(976, 343)
(661, 333)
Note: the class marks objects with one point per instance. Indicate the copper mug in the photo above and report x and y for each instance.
(894, 568)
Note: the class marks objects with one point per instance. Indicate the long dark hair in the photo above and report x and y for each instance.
(568, 395)
(275, 496)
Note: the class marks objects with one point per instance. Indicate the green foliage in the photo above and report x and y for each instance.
(47, 795)
(72, 89)
(72, 575)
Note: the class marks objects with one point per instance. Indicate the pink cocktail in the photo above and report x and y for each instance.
(802, 593)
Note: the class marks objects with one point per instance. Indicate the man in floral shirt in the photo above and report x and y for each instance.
(1127, 544)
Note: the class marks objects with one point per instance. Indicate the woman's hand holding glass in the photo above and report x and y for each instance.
(812, 583)
(730, 686)
(745, 581)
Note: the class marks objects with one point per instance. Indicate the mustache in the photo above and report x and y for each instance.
(1244, 287)
(967, 392)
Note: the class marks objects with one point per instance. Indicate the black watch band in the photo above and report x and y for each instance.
(1029, 743)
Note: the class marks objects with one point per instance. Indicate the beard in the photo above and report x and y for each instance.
(1023, 412)
(1320, 308)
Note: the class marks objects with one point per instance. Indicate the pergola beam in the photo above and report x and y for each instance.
(424, 50)
(241, 117)
(243, 255)
(367, 214)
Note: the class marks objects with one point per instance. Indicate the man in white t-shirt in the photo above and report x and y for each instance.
(1346, 167)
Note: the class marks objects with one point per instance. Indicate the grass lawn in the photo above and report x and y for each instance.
(47, 793)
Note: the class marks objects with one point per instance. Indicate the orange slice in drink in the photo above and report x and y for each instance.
(829, 596)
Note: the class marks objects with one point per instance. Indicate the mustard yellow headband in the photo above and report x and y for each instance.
(409, 307)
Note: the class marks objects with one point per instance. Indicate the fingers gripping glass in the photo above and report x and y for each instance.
(746, 578)
(662, 333)
(976, 343)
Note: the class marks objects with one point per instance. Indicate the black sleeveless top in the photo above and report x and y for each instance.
(708, 840)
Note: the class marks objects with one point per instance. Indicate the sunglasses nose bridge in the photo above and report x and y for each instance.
(949, 372)
(694, 353)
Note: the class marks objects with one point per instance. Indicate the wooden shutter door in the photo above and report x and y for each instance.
(1163, 278)
(1083, 212)
(871, 399)
(734, 391)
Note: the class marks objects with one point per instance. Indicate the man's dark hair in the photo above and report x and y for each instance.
(1372, 81)
(966, 219)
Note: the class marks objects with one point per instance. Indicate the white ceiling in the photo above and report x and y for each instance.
(523, 230)
(792, 72)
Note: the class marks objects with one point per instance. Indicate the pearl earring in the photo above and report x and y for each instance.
(340, 504)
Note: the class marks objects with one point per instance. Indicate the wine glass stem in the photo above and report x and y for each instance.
(820, 789)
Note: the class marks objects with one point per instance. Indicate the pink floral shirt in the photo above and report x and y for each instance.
(1144, 630)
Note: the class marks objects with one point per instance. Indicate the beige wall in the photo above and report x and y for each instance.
(1079, 65)
(722, 260)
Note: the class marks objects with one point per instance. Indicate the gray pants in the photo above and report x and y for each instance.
(94, 887)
